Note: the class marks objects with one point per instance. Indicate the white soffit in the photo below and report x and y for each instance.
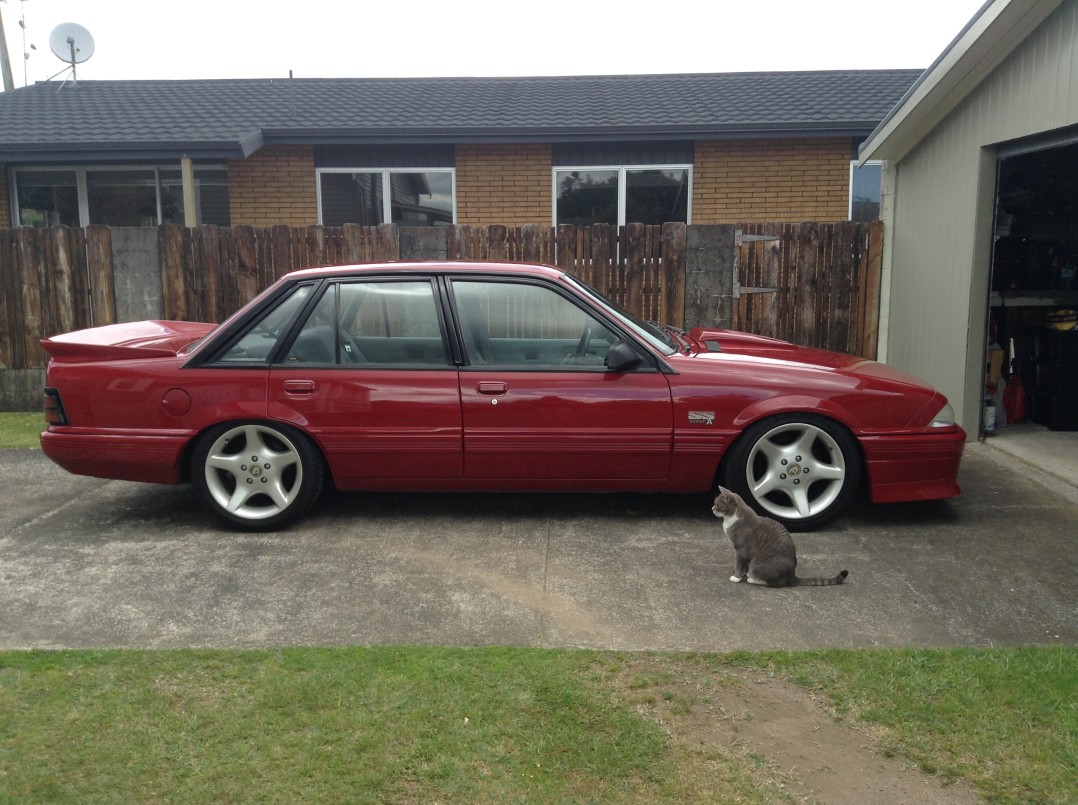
(991, 36)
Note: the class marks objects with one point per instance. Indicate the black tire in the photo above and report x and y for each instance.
(257, 476)
(800, 469)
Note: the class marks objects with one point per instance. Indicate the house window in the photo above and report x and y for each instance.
(211, 197)
(120, 196)
(371, 197)
(865, 191)
(47, 198)
(644, 194)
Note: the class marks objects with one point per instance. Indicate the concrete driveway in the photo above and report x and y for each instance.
(91, 563)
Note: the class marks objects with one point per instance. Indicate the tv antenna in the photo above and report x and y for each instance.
(71, 43)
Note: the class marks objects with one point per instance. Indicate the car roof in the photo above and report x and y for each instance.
(427, 267)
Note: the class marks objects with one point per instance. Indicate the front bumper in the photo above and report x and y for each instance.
(914, 466)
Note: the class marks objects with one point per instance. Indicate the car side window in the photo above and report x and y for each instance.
(261, 338)
(528, 326)
(372, 323)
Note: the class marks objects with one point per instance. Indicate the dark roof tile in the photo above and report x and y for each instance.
(50, 118)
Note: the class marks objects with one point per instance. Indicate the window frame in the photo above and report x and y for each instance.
(599, 315)
(82, 185)
(342, 303)
(387, 195)
(622, 170)
(216, 355)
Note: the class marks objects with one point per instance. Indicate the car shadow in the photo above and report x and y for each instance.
(916, 513)
(659, 506)
(339, 504)
(176, 510)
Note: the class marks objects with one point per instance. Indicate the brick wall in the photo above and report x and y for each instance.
(5, 204)
(275, 185)
(771, 180)
(767, 179)
(504, 184)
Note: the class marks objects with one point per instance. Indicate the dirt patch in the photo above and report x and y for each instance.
(791, 736)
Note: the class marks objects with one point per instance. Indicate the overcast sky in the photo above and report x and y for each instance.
(338, 38)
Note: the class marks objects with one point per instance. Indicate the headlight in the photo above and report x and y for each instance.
(945, 417)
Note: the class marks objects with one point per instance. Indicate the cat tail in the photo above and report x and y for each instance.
(817, 581)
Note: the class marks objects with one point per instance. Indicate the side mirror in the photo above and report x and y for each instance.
(622, 357)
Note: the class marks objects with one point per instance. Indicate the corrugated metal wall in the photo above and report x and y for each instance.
(944, 198)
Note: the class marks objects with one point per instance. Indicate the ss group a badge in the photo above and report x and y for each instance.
(701, 417)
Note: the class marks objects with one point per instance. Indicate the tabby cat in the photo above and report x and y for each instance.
(764, 550)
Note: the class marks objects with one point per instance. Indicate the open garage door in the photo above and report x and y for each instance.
(1032, 333)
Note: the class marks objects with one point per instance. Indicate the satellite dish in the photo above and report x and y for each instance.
(71, 42)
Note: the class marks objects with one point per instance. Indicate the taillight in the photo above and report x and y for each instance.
(54, 408)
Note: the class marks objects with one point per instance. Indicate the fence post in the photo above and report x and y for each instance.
(424, 242)
(99, 268)
(173, 281)
(673, 273)
(709, 275)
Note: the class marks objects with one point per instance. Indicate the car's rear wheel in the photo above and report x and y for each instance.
(258, 476)
(800, 469)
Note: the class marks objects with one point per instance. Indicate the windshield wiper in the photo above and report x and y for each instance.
(677, 333)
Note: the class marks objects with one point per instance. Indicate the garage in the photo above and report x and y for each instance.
(979, 201)
(1033, 304)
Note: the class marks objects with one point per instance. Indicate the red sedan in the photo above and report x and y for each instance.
(457, 376)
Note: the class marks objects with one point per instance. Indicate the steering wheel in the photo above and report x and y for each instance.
(585, 341)
(583, 344)
(581, 348)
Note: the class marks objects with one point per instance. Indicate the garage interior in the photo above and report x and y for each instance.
(1031, 383)
(1032, 338)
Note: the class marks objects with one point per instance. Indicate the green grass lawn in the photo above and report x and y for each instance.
(495, 725)
(21, 429)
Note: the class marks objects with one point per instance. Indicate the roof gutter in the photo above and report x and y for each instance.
(81, 152)
(343, 136)
(247, 143)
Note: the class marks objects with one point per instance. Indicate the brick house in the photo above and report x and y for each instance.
(699, 148)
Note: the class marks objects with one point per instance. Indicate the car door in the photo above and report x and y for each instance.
(368, 374)
(538, 402)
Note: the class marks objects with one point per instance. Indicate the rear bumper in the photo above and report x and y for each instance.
(916, 466)
(120, 456)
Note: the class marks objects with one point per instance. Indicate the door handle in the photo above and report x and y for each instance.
(492, 388)
(299, 388)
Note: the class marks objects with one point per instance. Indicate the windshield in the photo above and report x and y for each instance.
(652, 333)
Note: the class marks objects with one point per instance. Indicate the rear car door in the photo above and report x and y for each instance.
(368, 374)
(537, 399)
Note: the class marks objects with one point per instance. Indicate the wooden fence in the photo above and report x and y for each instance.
(826, 275)
(811, 283)
(52, 281)
(207, 273)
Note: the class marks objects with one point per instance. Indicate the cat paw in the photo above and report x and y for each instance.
(736, 579)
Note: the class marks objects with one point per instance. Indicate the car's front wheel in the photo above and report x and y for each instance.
(800, 469)
(258, 476)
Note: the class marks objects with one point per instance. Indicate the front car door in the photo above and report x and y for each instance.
(537, 399)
